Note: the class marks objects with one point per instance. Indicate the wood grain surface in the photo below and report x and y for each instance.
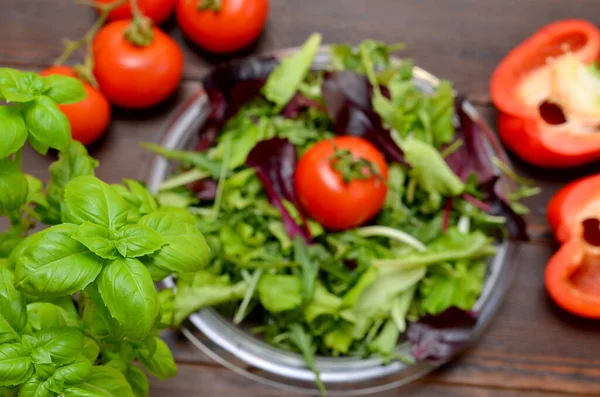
(532, 348)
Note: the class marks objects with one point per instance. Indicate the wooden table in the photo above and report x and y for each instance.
(531, 348)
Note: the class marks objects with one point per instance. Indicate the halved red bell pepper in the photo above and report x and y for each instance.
(522, 127)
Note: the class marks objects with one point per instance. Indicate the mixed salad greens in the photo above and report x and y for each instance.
(416, 268)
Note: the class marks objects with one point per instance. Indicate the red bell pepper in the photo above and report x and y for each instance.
(572, 275)
(547, 140)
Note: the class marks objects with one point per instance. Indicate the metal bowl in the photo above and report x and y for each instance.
(250, 356)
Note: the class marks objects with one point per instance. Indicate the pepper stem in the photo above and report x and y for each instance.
(353, 168)
(210, 5)
(139, 32)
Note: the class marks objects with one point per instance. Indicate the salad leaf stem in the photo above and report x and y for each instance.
(183, 179)
(222, 177)
(243, 309)
(454, 146)
(394, 234)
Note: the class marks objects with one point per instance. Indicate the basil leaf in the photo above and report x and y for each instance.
(142, 197)
(138, 240)
(97, 320)
(35, 191)
(17, 86)
(71, 163)
(11, 239)
(138, 381)
(39, 146)
(91, 350)
(129, 294)
(186, 249)
(161, 363)
(89, 199)
(56, 265)
(280, 292)
(13, 186)
(97, 239)
(41, 315)
(64, 89)
(36, 387)
(14, 132)
(104, 381)
(47, 123)
(57, 345)
(75, 372)
(15, 365)
(13, 314)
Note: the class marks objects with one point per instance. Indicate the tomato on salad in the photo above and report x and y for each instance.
(157, 10)
(136, 76)
(90, 117)
(341, 182)
(222, 26)
(548, 96)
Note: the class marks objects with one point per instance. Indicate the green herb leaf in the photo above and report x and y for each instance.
(13, 186)
(97, 319)
(186, 249)
(322, 303)
(284, 80)
(138, 240)
(14, 132)
(303, 342)
(42, 315)
(57, 345)
(17, 86)
(64, 89)
(104, 381)
(91, 350)
(89, 199)
(160, 363)
(56, 265)
(128, 292)
(47, 123)
(137, 380)
(35, 191)
(340, 339)
(310, 269)
(74, 373)
(96, 238)
(385, 343)
(39, 146)
(13, 312)
(279, 293)
(441, 113)
(15, 364)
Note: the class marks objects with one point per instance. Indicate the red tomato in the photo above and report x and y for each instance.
(157, 10)
(136, 77)
(237, 24)
(88, 118)
(324, 194)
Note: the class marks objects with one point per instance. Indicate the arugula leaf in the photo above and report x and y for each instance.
(197, 159)
(138, 240)
(64, 89)
(137, 380)
(284, 80)
(160, 363)
(96, 238)
(55, 265)
(279, 293)
(13, 186)
(303, 342)
(15, 364)
(47, 123)
(14, 132)
(89, 199)
(128, 292)
(13, 312)
(310, 269)
(56, 345)
(322, 302)
(17, 86)
(104, 381)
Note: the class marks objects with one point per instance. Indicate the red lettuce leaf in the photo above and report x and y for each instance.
(298, 104)
(347, 96)
(438, 337)
(205, 189)
(275, 163)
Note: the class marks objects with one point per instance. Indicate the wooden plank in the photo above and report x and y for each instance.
(461, 40)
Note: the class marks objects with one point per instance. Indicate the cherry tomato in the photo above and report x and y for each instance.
(329, 199)
(136, 77)
(88, 118)
(237, 24)
(157, 10)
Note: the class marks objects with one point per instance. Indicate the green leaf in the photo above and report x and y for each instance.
(89, 199)
(385, 343)
(166, 302)
(36, 387)
(310, 269)
(186, 249)
(441, 112)
(138, 199)
(13, 312)
(17, 86)
(161, 363)
(280, 293)
(304, 343)
(284, 80)
(14, 132)
(138, 381)
(128, 292)
(56, 265)
(39, 146)
(104, 381)
(71, 163)
(57, 345)
(13, 186)
(322, 303)
(340, 339)
(15, 365)
(97, 319)
(64, 89)
(203, 290)
(75, 372)
(96, 238)
(35, 191)
(90, 349)
(138, 240)
(41, 315)
(47, 123)
(11, 238)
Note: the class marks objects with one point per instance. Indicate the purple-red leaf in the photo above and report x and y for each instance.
(439, 337)
(205, 189)
(274, 161)
(300, 103)
(347, 96)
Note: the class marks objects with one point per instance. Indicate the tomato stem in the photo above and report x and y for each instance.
(139, 32)
(353, 168)
(210, 5)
